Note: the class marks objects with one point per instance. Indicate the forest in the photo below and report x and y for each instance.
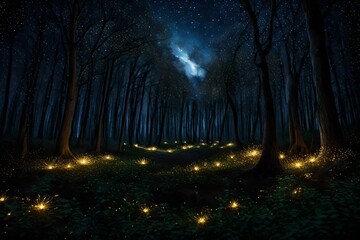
(183, 119)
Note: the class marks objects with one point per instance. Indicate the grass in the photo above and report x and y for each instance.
(116, 197)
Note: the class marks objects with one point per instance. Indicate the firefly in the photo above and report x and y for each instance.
(145, 210)
(298, 164)
(84, 161)
(234, 204)
(201, 220)
(42, 204)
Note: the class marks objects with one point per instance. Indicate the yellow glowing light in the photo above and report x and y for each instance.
(234, 204)
(282, 156)
(9, 214)
(143, 161)
(50, 166)
(68, 166)
(84, 161)
(296, 191)
(230, 144)
(232, 156)
(151, 149)
(196, 168)
(203, 144)
(312, 159)
(298, 164)
(145, 210)
(108, 157)
(253, 153)
(136, 145)
(201, 220)
(42, 204)
(218, 164)
(170, 151)
(308, 175)
(2, 199)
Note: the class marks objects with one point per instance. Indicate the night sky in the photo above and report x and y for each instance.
(194, 27)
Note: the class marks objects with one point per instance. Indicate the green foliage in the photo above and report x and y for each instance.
(106, 201)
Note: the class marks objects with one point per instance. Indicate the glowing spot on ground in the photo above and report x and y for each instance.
(201, 220)
(108, 157)
(282, 156)
(3, 198)
(152, 149)
(253, 153)
(136, 145)
(84, 161)
(196, 168)
(234, 205)
(298, 164)
(145, 210)
(232, 156)
(296, 191)
(69, 166)
(312, 159)
(143, 161)
(218, 164)
(187, 147)
(230, 144)
(42, 203)
(50, 167)
(308, 175)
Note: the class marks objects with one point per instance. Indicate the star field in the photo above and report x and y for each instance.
(194, 27)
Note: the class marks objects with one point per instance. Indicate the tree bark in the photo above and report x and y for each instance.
(7, 88)
(330, 131)
(63, 144)
(269, 161)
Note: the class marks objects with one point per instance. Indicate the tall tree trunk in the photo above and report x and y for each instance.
(181, 119)
(297, 143)
(330, 131)
(7, 88)
(104, 97)
(235, 119)
(63, 143)
(47, 97)
(86, 112)
(126, 104)
(269, 161)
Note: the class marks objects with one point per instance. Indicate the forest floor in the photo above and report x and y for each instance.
(179, 192)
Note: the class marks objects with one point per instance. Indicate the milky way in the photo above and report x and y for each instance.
(194, 27)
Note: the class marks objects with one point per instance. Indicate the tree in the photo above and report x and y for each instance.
(294, 55)
(11, 19)
(330, 131)
(269, 160)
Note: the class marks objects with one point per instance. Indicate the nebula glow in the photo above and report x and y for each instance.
(191, 68)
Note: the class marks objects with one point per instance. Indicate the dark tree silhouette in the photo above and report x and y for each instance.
(330, 131)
